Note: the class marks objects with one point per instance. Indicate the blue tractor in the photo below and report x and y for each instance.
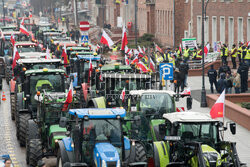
(96, 138)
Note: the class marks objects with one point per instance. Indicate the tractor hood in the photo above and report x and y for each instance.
(56, 133)
(105, 153)
(211, 156)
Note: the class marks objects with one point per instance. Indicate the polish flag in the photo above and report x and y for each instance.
(127, 49)
(126, 60)
(106, 39)
(142, 66)
(158, 48)
(12, 39)
(218, 108)
(100, 77)
(130, 52)
(122, 96)
(98, 46)
(186, 92)
(22, 22)
(47, 56)
(65, 57)
(124, 38)
(140, 50)
(69, 98)
(136, 52)
(90, 70)
(135, 60)
(15, 57)
(24, 30)
(206, 49)
(180, 48)
(152, 65)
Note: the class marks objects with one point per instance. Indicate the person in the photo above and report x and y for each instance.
(77, 34)
(224, 69)
(243, 71)
(239, 50)
(63, 20)
(212, 75)
(194, 53)
(244, 53)
(72, 35)
(247, 57)
(229, 79)
(177, 56)
(184, 67)
(177, 81)
(186, 54)
(236, 82)
(166, 56)
(233, 55)
(224, 53)
(7, 162)
(222, 83)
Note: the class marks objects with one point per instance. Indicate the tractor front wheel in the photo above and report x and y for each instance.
(140, 153)
(35, 152)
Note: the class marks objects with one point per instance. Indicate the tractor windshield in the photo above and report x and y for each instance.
(28, 48)
(42, 66)
(201, 132)
(155, 105)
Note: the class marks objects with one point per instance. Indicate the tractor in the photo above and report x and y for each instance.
(149, 106)
(52, 80)
(19, 75)
(194, 139)
(95, 138)
(43, 131)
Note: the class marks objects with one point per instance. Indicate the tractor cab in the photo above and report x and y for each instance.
(78, 49)
(98, 140)
(195, 139)
(26, 46)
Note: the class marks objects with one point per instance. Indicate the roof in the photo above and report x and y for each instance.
(88, 57)
(78, 48)
(112, 67)
(42, 71)
(31, 55)
(126, 75)
(140, 92)
(98, 112)
(188, 117)
(25, 43)
(67, 43)
(39, 60)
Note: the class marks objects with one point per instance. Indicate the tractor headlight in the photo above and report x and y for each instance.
(104, 163)
(118, 163)
(56, 141)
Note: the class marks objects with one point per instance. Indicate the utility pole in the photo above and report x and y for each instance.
(174, 23)
(75, 13)
(103, 12)
(3, 14)
(136, 23)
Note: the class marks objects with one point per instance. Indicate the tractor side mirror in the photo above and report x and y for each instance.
(63, 122)
(233, 128)
(162, 129)
(189, 103)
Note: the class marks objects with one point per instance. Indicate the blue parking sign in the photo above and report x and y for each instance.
(84, 38)
(166, 71)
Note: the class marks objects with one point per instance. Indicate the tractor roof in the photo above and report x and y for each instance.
(188, 117)
(126, 75)
(66, 43)
(25, 43)
(32, 55)
(38, 61)
(151, 91)
(98, 113)
(108, 67)
(44, 71)
(81, 53)
(88, 57)
(78, 48)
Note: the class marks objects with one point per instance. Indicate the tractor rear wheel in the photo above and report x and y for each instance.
(23, 122)
(140, 153)
(32, 133)
(35, 152)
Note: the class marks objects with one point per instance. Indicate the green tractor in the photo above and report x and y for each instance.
(43, 131)
(39, 80)
(194, 139)
(149, 106)
(96, 138)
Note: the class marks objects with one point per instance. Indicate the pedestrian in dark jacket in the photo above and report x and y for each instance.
(77, 34)
(177, 80)
(224, 69)
(222, 83)
(243, 71)
(212, 75)
(229, 79)
(72, 35)
(184, 67)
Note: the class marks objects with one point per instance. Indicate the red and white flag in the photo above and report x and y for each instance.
(24, 30)
(106, 39)
(218, 108)
(64, 56)
(126, 60)
(124, 38)
(127, 49)
(135, 60)
(30, 14)
(206, 49)
(152, 65)
(22, 22)
(15, 57)
(186, 92)
(180, 48)
(140, 50)
(136, 52)
(122, 96)
(47, 56)
(142, 66)
(90, 70)
(69, 98)
(130, 52)
(144, 49)
(12, 39)
(98, 46)
(158, 48)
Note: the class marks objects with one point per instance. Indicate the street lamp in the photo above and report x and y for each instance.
(136, 23)
(3, 14)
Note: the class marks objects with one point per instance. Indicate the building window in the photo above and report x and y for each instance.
(214, 29)
(185, 34)
(230, 31)
(186, 1)
(189, 29)
(206, 30)
(199, 29)
(248, 29)
(240, 29)
(240, 0)
(222, 29)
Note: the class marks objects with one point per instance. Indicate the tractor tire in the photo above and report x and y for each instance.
(35, 152)
(8, 74)
(19, 106)
(32, 133)
(23, 124)
(61, 158)
(140, 153)
(13, 106)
